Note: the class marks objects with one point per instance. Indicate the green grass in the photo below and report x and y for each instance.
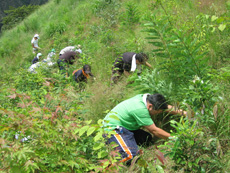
(105, 31)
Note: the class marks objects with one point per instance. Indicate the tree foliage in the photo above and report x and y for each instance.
(16, 15)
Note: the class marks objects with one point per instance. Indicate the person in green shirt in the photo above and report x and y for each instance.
(129, 116)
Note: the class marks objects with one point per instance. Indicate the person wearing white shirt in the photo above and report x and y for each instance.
(34, 43)
(67, 49)
(49, 59)
(33, 67)
(71, 48)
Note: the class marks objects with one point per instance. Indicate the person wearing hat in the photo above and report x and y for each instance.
(36, 59)
(129, 62)
(81, 75)
(34, 43)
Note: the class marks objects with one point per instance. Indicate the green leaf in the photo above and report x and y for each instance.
(102, 154)
(158, 44)
(159, 169)
(114, 117)
(99, 122)
(98, 136)
(98, 146)
(207, 16)
(197, 48)
(72, 163)
(90, 130)
(222, 27)
(214, 18)
(83, 130)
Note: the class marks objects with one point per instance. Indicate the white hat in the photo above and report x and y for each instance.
(36, 35)
(39, 54)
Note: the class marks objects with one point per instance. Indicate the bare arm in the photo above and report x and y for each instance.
(157, 131)
(148, 65)
(33, 45)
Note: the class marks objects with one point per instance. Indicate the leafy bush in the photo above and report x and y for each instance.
(201, 94)
(179, 54)
(189, 150)
(50, 138)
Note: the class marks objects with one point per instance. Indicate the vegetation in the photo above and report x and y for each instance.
(16, 15)
(48, 124)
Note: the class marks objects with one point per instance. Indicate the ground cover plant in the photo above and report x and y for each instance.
(49, 124)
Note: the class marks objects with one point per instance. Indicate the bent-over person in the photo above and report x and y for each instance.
(129, 62)
(66, 59)
(132, 115)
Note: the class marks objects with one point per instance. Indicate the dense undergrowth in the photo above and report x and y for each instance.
(58, 125)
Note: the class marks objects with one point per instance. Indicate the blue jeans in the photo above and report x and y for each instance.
(128, 142)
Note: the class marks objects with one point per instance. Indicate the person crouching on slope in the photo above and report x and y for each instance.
(132, 115)
(71, 48)
(66, 59)
(129, 62)
(36, 59)
(82, 75)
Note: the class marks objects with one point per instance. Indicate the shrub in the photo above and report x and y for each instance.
(188, 148)
(50, 138)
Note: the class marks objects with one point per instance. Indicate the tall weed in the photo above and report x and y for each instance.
(131, 15)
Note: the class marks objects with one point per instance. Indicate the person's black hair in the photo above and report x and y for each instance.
(86, 67)
(141, 57)
(158, 101)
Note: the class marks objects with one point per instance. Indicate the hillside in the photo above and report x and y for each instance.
(4, 5)
(188, 46)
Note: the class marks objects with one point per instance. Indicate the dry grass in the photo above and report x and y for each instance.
(217, 6)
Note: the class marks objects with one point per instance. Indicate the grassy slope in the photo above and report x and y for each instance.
(102, 39)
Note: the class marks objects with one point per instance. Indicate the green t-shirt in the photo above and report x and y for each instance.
(130, 114)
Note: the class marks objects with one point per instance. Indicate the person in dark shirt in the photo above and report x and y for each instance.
(36, 59)
(129, 62)
(81, 75)
(66, 59)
